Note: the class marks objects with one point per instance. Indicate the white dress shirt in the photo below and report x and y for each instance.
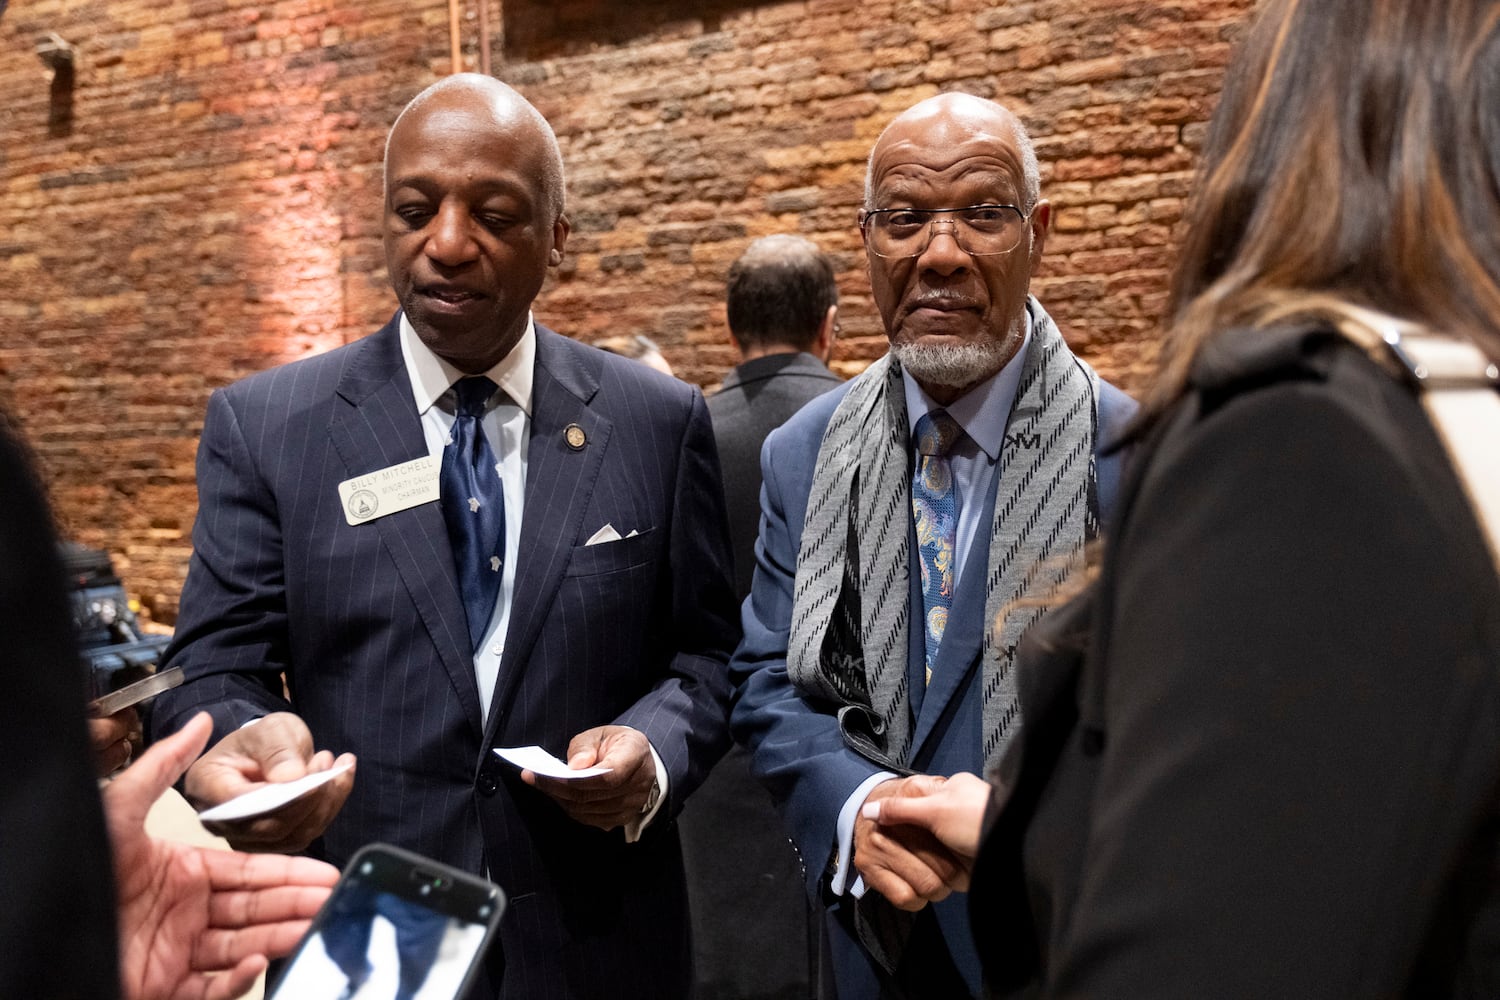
(507, 426)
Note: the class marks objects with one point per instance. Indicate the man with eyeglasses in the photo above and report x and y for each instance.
(914, 523)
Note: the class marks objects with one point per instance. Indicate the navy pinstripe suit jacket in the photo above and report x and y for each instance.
(367, 626)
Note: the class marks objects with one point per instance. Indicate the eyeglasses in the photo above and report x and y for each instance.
(979, 230)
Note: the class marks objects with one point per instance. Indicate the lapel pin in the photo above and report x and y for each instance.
(573, 434)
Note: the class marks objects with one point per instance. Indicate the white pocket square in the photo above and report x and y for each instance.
(604, 534)
(607, 534)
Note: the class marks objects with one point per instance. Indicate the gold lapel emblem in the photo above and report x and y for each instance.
(573, 434)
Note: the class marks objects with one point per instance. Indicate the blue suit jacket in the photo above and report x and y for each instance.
(366, 624)
(796, 745)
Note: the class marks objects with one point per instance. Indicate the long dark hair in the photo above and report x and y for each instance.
(28, 465)
(1353, 161)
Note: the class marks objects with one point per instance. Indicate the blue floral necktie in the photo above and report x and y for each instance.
(474, 505)
(934, 508)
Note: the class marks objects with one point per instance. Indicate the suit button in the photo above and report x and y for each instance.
(487, 784)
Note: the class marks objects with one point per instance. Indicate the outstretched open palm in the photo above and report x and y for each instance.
(198, 922)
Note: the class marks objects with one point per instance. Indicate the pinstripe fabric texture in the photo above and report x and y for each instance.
(367, 625)
(858, 517)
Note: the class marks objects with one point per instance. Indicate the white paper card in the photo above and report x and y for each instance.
(269, 798)
(541, 762)
(386, 491)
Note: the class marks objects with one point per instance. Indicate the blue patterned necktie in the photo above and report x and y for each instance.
(474, 505)
(934, 508)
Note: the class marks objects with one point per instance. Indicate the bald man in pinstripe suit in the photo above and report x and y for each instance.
(615, 617)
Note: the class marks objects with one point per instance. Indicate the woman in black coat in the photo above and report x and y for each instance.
(1262, 749)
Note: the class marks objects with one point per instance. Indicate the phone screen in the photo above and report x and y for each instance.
(397, 927)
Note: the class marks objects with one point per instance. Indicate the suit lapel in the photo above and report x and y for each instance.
(559, 483)
(963, 638)
(379, 428)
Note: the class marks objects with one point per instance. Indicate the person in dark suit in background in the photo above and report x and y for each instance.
(753, 937)
(783, 310)
(467, 532)
(1262, 750)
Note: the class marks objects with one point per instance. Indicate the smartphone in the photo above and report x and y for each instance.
(134, 693)
(398, 926)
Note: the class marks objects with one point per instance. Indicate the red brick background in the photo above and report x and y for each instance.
(200, 201)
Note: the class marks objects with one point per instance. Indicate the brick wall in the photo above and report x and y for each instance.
(200, 200)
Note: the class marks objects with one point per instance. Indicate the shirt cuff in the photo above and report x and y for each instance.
(634, 829)
(847, 816)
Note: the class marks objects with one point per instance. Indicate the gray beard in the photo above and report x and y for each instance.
(954, 365)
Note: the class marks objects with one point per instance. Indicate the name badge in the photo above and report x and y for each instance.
(387, 491)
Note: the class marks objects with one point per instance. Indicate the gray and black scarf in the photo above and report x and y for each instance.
(851, 603)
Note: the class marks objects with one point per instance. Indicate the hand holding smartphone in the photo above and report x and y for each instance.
(397, 927)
